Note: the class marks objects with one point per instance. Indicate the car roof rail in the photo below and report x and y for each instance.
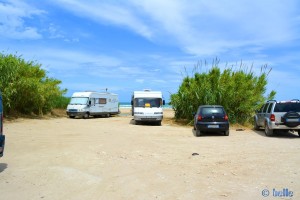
(295, 100)
(271, 100)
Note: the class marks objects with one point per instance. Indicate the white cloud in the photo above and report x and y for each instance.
(108, 13)
(12, 23)
(139, 80)
(211, 27)
(198, 27)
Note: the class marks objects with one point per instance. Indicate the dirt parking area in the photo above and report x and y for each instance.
(111, 158)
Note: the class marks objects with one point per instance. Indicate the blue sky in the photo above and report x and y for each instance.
(137, 44)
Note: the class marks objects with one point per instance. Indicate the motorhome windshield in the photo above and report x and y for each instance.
(147, 102)
(79, 100)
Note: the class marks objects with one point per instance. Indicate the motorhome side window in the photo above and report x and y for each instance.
(92, 100)
(102, 101)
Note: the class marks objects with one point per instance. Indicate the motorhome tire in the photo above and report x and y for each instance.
(86, 115)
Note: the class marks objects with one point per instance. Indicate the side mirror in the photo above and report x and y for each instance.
(164, 102)
(90, 102)
(131, 102)
(193, 113)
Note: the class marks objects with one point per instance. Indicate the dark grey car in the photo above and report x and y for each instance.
(2, 137)
(211, 118)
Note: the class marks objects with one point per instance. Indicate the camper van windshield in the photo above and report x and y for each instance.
(147, 102)
(79, 100)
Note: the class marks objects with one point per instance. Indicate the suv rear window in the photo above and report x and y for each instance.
(212, 110)
(286, 107)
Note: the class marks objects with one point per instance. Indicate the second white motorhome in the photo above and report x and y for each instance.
(147, 106)
(85, 104)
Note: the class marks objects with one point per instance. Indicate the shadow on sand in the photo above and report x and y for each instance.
(3, 166)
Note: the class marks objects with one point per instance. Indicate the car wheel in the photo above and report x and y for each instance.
(86, 115)
(198, 133)
(158, 123)
(268, 131)
(226, 133)
(72, 117)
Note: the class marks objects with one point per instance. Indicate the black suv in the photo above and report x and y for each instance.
(278, 116)
(2, 137)
(211, 118)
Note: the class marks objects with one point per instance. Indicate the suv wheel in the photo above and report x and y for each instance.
(256, 127)
(268, 131)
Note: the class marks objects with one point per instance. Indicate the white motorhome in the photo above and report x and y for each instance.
(147, 106)
(85, 104)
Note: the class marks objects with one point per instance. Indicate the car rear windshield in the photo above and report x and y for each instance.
(286, 107)
(212, 110)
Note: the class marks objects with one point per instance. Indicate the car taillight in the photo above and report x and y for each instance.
(199, 118)
(272, 117)
(226, 117)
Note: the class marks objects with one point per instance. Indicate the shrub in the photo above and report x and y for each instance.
(25, 86)
(239, 91)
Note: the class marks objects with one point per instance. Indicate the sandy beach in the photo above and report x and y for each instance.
(111, 158)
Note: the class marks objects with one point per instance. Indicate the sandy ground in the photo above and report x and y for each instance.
(111, 158)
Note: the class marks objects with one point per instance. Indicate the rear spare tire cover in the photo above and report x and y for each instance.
(288, 117)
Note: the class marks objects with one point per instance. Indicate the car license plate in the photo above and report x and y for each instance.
(212, 126)
(292, 120)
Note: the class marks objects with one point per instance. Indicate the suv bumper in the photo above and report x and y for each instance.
(279, 125)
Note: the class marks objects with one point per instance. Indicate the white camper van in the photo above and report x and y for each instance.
(85, 104)
(147, 106)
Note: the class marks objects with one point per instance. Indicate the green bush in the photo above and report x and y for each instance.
(61, 102)
(239, 91)
(26, 88)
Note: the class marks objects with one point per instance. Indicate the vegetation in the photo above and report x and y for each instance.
(26, 88)
(238, 90)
